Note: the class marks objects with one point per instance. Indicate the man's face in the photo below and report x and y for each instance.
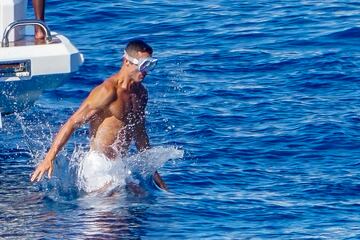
(134, 73)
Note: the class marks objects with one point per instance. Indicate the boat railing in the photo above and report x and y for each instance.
(5, 40)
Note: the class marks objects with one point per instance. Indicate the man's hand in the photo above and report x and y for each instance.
(44, 166)
(159, 182)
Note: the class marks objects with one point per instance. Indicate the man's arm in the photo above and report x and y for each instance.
(140, 136)
(142, 143)
(96, 101)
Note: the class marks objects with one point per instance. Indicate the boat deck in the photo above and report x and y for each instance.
(29, 40)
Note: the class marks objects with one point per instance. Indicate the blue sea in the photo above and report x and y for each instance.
(261, 97)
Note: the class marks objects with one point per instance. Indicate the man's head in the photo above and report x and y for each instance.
(137, 59)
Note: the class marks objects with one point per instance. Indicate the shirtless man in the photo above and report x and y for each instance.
(115, 111)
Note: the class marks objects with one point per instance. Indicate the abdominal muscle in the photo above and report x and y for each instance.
(110, 137)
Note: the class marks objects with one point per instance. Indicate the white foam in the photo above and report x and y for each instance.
(147, 162)
(97, 173)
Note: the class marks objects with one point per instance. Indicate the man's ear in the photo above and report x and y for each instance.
(126, 62)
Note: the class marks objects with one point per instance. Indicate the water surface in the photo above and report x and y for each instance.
(263, 96)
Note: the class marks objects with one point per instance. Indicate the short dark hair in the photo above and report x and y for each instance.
(138, 45)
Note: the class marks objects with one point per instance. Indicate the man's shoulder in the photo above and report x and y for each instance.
(141, 93)
(141, 90)
(104, 91)
(105, 87)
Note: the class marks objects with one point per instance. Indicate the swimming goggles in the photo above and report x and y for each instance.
(143, 64)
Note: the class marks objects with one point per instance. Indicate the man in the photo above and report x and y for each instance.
(39, 10)
(115, 111)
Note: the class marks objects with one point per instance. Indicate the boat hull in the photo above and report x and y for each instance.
(17, 95)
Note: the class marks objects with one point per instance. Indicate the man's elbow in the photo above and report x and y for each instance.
(73, 123)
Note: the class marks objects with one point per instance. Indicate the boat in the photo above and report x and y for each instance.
(29, 66)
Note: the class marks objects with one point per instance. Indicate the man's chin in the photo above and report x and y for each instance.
(137, 80)
(140, 79)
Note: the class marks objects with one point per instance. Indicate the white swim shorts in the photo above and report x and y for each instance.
(97, 172)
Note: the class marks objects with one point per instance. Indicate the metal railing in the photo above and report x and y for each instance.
(5, 40)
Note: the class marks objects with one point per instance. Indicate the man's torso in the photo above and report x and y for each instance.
(112, 129)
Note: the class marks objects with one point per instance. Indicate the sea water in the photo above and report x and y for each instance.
(262, 97)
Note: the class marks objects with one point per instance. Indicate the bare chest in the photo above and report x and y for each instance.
(125, 108)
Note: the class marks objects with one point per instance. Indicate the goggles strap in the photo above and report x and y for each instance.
(131, 59)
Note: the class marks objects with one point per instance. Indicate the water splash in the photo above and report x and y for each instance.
(36, 133)
(96, 173)
(147, 162)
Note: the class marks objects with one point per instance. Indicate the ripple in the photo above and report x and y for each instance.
(262, 96)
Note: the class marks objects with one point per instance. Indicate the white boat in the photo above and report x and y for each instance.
(27, 66)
